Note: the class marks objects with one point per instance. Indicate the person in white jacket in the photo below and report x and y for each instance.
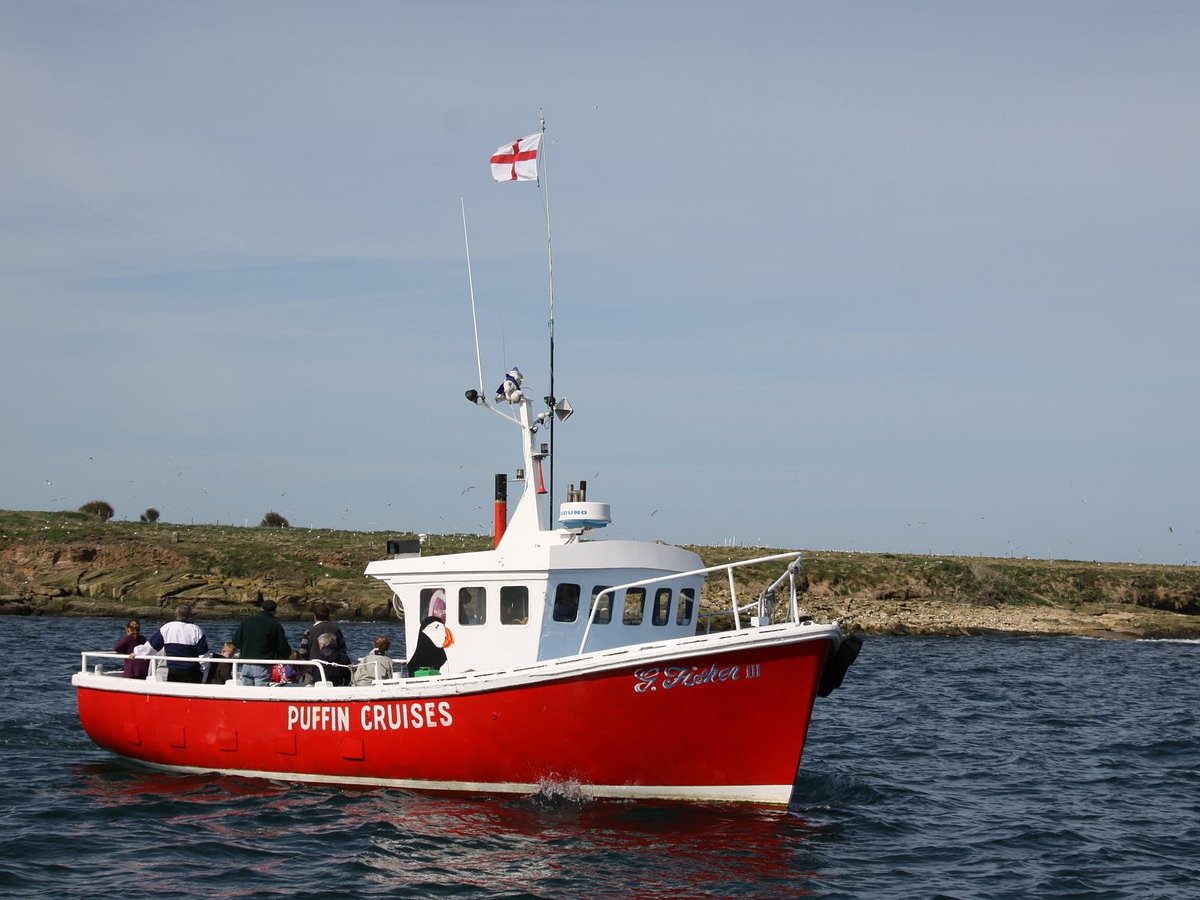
(376, 665)
(179, 638)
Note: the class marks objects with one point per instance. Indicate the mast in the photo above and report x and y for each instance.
(552, 399)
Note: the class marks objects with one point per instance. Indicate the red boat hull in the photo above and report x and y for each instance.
(724, 725)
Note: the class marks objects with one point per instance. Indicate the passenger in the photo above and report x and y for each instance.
(134, 668)
(179, 638)
(432, 640)
(286, 672)
(291, 673)
(376, 665)
(260, 637)
(437, 607)
(468, 612)
(221, 672)
(337, 663)
(321, 625)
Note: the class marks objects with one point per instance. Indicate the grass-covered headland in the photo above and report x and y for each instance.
(70, 563)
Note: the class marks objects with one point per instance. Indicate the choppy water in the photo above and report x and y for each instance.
(968, 767)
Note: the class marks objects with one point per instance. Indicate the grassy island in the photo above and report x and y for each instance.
(70, 563)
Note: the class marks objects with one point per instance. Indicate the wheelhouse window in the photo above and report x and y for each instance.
(472, 606)
(662, 607)
(603, 614)
(514, 605)
(566, 603)
(427, 598)
(687, 606)
(635, 606)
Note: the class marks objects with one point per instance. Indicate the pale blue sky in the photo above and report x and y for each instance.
(860, 276)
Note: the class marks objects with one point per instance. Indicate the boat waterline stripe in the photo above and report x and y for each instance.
(771, 794)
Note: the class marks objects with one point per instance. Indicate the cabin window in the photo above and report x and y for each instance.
(427, 597)
(566, 603)
(472, 606)
(635, 606)
(603, 614)
(514, 605)
(662, 607)
(687, 606)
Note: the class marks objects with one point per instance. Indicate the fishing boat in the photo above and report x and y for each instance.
(574, 664)
(565, 663)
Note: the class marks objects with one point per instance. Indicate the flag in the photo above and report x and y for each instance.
(517, 161)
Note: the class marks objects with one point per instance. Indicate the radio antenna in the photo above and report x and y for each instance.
(471, 286)
(551, 400)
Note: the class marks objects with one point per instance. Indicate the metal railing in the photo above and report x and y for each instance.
(789, 575)
(235, 663)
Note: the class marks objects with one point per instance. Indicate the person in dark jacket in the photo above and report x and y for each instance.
(221, 672)
(134, 668)
(260, 637)
(337, 662)
(179, 638)
(321, 625)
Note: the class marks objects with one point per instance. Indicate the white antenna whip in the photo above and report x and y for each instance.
(471, 285)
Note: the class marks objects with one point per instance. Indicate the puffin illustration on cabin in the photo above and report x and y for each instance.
(433, 638)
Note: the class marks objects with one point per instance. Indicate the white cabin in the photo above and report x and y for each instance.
(531, 598)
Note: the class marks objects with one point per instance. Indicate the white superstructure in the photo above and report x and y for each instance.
(530, 599)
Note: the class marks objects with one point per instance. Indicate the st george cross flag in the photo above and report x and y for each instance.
(517, 161)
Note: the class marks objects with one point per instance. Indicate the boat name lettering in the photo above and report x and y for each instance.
(371, 716)
(690, 676)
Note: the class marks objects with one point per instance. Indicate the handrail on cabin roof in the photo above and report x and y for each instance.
(789, 574)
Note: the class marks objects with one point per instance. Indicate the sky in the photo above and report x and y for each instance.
(865, 276)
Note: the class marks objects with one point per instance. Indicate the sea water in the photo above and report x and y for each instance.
(944, 767)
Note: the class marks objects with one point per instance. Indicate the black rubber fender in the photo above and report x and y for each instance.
(836, 666)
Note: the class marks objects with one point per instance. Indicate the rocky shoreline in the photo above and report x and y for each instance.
(930, 617)
(63, 564)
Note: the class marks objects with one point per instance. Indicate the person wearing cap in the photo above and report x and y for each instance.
(260, 637)
(179, 638)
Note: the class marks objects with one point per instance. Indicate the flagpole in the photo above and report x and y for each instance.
(552, 399)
